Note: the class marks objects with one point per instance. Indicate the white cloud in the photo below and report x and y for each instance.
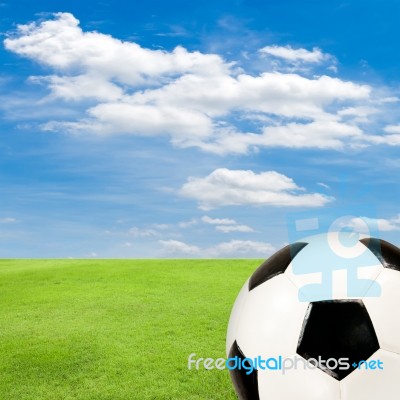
(225, 225)
(76, 88)
(395, 129)
(361, 111)
(323, 134)
(142, 232)
(362, 224)
(359, 114)
(152, 230)
(290, 54)
(160, 227)
(289, 95)
(247, 248)
(187, 224)
(7, 220)
(178, 247)
(234, 228)
(225, 187)
(61, 44)
(392, 138)
(192, 96)
(143, 120)
(233, 248)
(218, 221)
(391, 99)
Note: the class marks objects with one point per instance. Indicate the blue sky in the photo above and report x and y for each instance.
(182, 129)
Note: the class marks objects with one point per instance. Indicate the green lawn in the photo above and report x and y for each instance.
(115, 329)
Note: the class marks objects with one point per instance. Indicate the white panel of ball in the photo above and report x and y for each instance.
(300, 383)
(271, 319)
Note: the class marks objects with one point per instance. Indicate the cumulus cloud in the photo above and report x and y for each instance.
(234, 228)
(391, 138)
(394, 129)
(187, 224)
(218, 221)
(233, 248)
(76, 88)
(178, 247)
(142, 120)
(247, 248)
(148, 232)
(7, 220)
(60, 43)
(192, 97)
(322, 134)
(160, 227)
(290, 54)
(362, 224)
(142, 232)
(224, 187)
(226, 225)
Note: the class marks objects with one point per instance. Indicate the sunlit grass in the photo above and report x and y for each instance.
(115, 329)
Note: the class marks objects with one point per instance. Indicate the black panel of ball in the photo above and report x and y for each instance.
(275, 265)
(385, 252)
(246, 385)
(337, 329)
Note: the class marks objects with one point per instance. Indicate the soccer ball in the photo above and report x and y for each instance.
(319, 320)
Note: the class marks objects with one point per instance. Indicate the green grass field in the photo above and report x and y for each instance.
(115, 329)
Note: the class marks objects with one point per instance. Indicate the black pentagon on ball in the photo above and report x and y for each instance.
(275, 265)
(337, 329)
(246, 385)
(385, 252)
